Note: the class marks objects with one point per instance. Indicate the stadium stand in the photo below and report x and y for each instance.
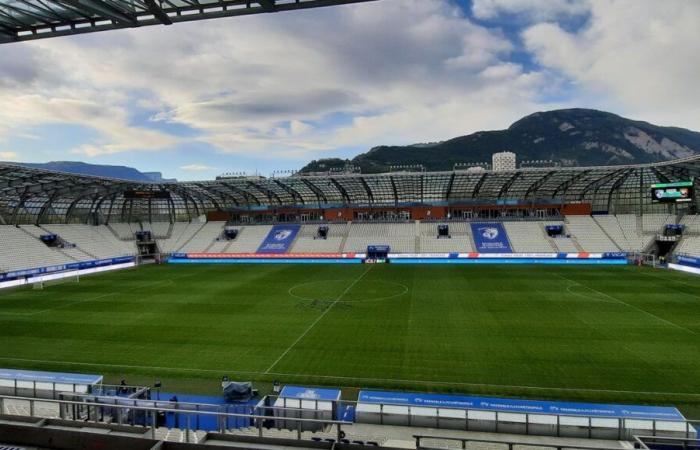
(690, 243)
(691, 223)
(589, 235)
(220, 243)
(401, 237)
(204, 238)
(70, 249)
(600, 233)
(21, 250)
(654, 223)
(249, 239)
(125, 231)
(528, 237)
(159, 230)
(630, 225)
(181, 233)
(460, 238)
(97, 242)
(308, 240)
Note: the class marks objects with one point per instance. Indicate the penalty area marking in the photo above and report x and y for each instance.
(366, 300)
(661, 319)
(334, 377)
(85, 300)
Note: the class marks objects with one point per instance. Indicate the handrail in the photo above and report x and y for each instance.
(464, 441)
(4, 398)
(524, 412)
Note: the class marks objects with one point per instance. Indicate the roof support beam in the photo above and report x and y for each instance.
(158, 13)
(318, 192)
(268, 5)
(104, 10)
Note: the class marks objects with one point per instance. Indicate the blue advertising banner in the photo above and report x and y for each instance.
(280, 239)
(72, 266)
(521, 406)
(490, 238)
(551, 261)
(689, 260)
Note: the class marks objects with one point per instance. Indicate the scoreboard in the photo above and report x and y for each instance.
(679, 192)
(132, 194)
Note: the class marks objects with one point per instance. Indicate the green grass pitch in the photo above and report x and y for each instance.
(593, 333)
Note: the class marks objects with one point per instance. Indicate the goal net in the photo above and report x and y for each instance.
(55, 279)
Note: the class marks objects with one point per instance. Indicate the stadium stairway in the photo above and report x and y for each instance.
(589, 236)
(78, 252)
(36, 232)
(307, 240)
(191, 237)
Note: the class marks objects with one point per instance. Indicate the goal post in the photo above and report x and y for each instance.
(53, 279)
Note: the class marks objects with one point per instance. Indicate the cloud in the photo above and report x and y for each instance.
(381, 65)
(297, 86)
(197, 168)
(640, 56)
(535, 10)
(9, 156)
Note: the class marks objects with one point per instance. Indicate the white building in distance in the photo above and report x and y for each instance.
(503, 161)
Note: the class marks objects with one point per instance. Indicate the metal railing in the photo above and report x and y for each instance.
(420, 444)
(147, 416)
(528, 423)
(53, 389)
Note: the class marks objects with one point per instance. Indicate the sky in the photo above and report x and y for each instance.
(271, 92)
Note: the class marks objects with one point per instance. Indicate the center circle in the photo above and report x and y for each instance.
(332, 290)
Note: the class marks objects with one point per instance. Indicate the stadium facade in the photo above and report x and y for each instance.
(34, 196)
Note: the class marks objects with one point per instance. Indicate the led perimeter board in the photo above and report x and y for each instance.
(679, 192)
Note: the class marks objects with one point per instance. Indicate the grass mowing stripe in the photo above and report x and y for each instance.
(323, 314)
(493, 330)
(630, 306)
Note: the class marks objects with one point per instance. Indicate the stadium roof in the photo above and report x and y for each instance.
(37, 196)
(22, 20)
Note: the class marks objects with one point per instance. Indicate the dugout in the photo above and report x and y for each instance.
(305, 403)
(535, 417)
(36, 384)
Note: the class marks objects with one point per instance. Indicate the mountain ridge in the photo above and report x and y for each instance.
(569, 137)
(100, 170)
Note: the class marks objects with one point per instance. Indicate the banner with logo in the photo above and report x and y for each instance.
(280, 239)
(490, 238)
(520, 406)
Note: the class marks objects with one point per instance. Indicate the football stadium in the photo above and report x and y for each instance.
(476, 308)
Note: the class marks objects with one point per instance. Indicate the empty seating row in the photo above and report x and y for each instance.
(689, 245)
(204, 238)
(19, 250)
(308, 240)
(528, 237)
(589, 235)
(125, 231)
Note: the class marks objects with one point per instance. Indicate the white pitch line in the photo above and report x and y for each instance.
(318, 319)
(85, 300)
(334, 377)
(668, 322)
